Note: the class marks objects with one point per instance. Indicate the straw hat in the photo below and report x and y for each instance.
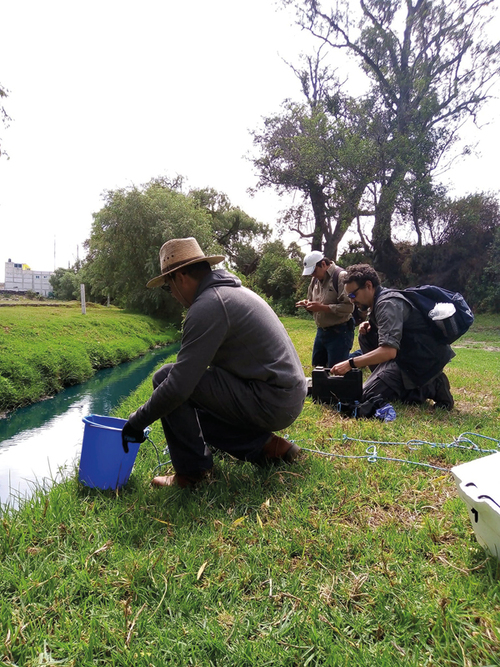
(176, 253)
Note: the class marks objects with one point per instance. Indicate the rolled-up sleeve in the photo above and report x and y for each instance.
(390, 318)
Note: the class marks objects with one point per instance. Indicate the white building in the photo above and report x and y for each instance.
(20, 278)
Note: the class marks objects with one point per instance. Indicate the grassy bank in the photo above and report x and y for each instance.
(334, 561)
(44, 349)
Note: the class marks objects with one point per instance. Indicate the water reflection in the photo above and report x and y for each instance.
(40, 442)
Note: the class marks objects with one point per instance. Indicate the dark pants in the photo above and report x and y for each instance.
(223, 412)
(333, 344)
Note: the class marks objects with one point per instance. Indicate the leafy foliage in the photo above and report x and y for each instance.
(355, 254)
(126, 236)
(135, 222)
(65, 284)
(325, 151)
(486, 292)
(234, 231)
(464, 257)
(429, 65)
(278, 276)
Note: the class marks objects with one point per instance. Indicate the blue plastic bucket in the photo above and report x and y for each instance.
(103, 463)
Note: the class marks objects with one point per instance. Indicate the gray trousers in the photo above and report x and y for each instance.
(224, 412)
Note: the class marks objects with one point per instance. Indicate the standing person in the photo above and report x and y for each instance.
(332, 310)
(397, 342)
(237, 377)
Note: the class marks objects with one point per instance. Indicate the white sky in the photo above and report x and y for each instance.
(109, 93)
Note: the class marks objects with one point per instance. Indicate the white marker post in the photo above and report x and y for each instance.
(82, 298)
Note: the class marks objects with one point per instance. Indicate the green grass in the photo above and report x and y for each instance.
(332, 561)
(44, 349)
(484, 332)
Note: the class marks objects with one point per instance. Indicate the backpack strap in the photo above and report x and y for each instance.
(335, 278)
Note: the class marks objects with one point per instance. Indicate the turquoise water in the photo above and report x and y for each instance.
(42, 442)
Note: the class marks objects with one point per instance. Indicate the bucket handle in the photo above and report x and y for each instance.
(88, 420)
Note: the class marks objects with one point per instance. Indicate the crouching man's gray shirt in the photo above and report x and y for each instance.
(231, 328)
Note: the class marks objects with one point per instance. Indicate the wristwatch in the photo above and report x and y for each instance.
(351, 362)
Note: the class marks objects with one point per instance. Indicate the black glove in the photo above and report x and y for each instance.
(131, 434)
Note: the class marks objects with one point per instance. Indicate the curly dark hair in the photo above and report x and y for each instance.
(360, 273)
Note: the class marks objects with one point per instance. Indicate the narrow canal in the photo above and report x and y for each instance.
(40, 443)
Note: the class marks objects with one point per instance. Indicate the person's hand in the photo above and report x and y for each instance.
(131, 434)
(341, 368)
(314, 306)
(364, 327)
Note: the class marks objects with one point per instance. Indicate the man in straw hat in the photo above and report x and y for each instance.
(237, 377)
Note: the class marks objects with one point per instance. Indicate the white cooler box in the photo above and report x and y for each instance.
(478, 484)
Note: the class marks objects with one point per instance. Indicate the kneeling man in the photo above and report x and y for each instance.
(406, 359)
(237, 377)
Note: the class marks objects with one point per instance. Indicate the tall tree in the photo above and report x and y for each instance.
(324, 150)
(133, 224)
(126, 237)
(430, 64)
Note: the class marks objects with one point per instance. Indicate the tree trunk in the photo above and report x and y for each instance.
(385, 255)
(318, 204)
(348, 212)
(331, 249)
(362, 238)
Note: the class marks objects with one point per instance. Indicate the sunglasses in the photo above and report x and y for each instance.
(167, 285)
(352, 295)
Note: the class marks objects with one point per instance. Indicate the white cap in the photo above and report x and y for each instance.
(310, 262)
